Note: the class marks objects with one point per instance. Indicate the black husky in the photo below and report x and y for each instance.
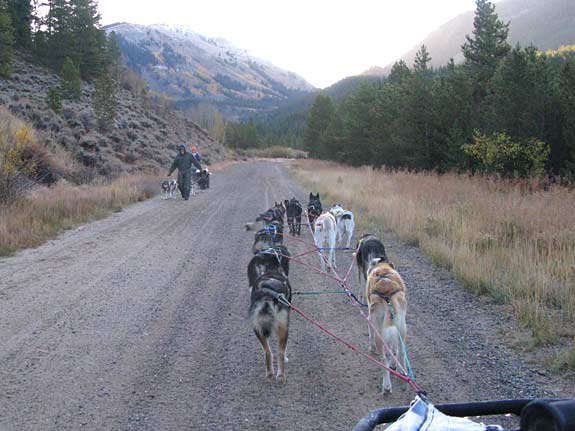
(369, 248)
(273, 259)
(269, 313)
(293, 212)
(314, 209)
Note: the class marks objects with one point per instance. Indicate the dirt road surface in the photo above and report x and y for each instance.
(139, 322)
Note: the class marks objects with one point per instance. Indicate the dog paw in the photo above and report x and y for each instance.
(372, 349)
(386, 390)
(270, 376)
(281, 379)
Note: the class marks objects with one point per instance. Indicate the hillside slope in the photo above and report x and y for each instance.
(193, 68)
(547, 24)
(143, 137)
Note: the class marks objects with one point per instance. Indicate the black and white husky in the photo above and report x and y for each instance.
(170, 187)
(270, 314)
(345, 224)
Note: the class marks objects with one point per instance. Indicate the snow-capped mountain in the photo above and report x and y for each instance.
(193, 68)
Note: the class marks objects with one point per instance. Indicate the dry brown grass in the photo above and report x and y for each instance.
(43, 213)
(508, 240)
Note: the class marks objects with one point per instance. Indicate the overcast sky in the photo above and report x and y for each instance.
(321, 40)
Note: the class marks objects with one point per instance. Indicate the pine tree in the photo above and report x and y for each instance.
(361, 125)
(422, 60)
(113, 56)
(6, 41)
(320, 116)
(91, 42)
(519, 99)
(54, 99)
(399, 72)
(104, 100)
(565, 90)
(451, 117)
(333, 143)
(419, 111)
(21, 14)
(71, 82)
(60, 40)
(488, 45)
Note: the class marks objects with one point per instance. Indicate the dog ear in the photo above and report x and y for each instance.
(392, 265)
(310, 195)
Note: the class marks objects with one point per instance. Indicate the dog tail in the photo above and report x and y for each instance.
(265, 319)
(265, 316)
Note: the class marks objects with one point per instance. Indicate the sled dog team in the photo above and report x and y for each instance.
(271, 292)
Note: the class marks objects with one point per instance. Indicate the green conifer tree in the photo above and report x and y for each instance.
(320, 116)
(6, 41)
(104, 100)
(71, 81)
(487, 46)
(91, 42)
(60, 40)
(422, 60)
(21, 15)
(399, 72)
(54, 99)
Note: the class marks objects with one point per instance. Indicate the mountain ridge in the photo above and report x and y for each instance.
(547, 24)
(192, 68)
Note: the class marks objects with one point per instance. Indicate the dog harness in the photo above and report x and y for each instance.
(387, 298)
(272, 230)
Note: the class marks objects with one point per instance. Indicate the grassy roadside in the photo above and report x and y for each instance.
(45, 212)
(42, 214)
(509, 241)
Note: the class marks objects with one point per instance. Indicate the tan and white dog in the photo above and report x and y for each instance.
(325, 234)
(385, 289)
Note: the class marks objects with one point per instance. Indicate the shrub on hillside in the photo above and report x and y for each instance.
(104, 101)
(71, 81)
(16, 141)
(54, 99)
(23, 161)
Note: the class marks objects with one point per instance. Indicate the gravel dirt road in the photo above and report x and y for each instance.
(139, 322)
